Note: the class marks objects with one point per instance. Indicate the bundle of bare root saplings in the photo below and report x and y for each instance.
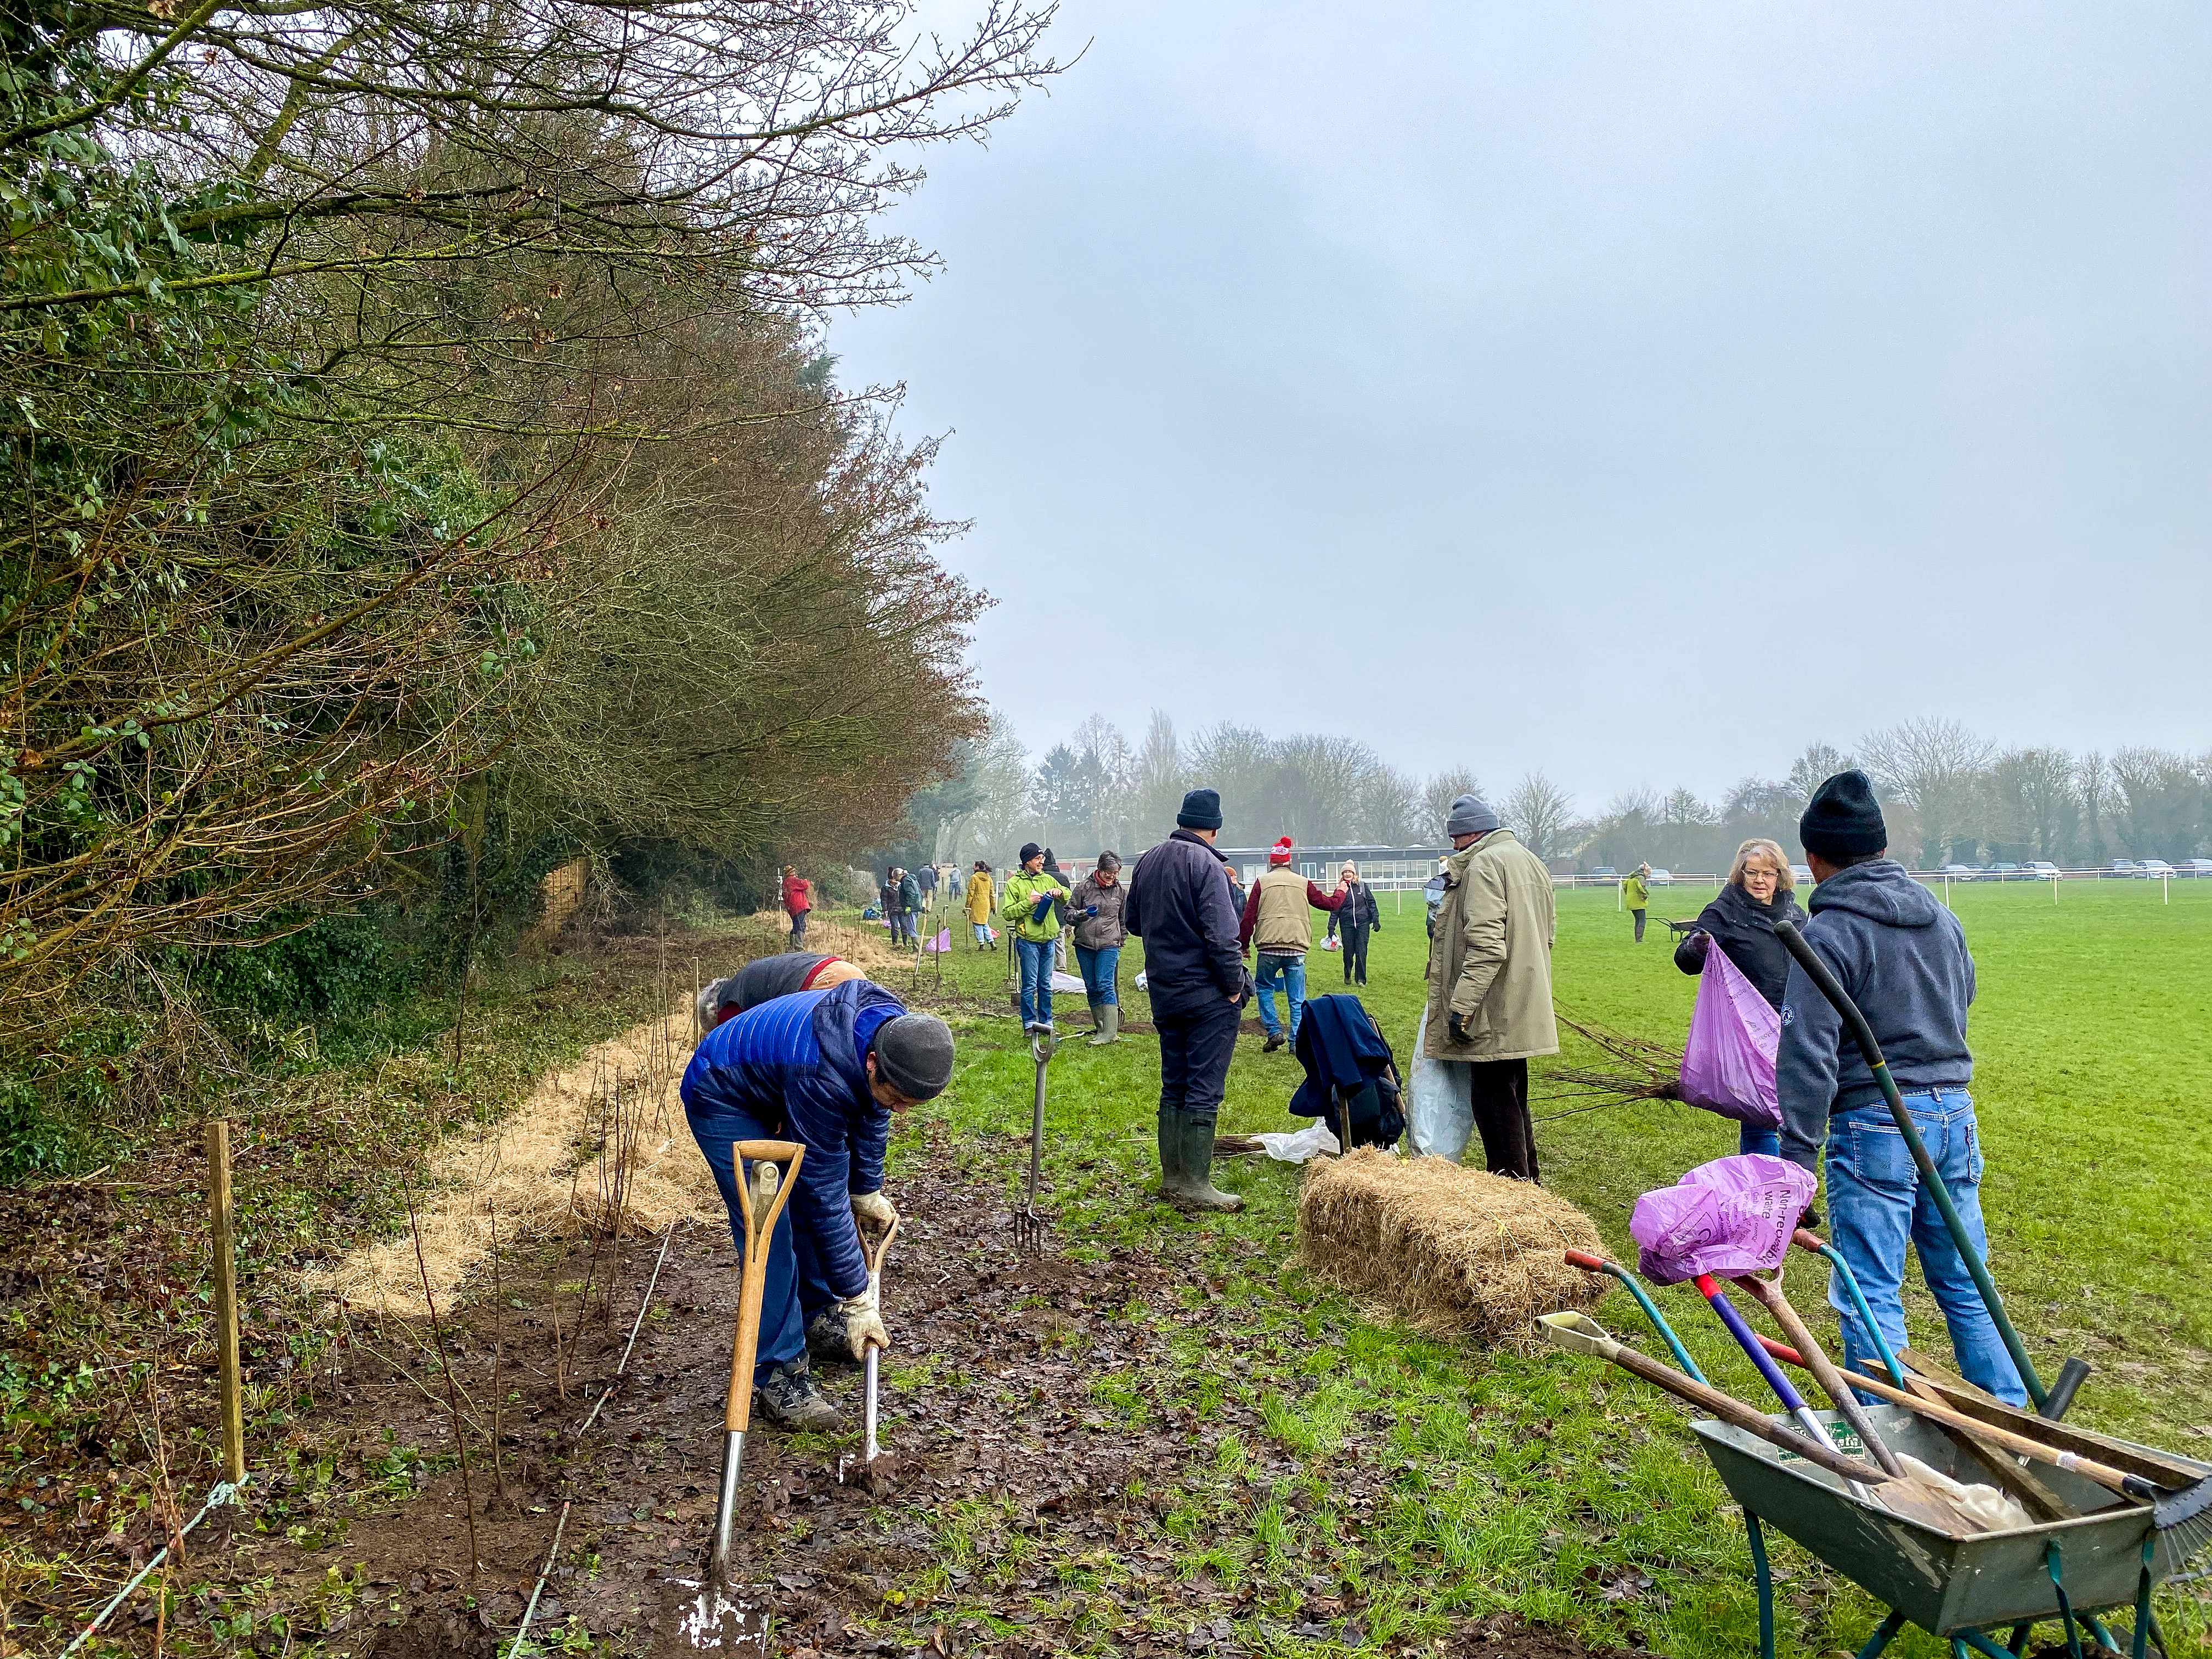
(1453, 1251)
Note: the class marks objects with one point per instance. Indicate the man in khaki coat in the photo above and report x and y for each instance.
(1490, 979)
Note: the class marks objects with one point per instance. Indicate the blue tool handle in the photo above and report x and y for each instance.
(1748, 1340)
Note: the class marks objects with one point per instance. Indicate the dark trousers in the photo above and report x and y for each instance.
(1638, 915)
(1355, 955)
(798, 930)
(1195, 1048)
(1499, 1092)
(902, 926)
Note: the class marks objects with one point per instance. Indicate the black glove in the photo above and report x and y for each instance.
(1456, 1025)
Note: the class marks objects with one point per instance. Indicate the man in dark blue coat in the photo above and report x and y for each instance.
(826, 1069)
(1179, 905)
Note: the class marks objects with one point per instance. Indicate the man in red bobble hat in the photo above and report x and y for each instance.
(1275, 921)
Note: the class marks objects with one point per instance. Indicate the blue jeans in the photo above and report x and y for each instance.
(1100, 970)
(1877, 1206)
(1751, 1140)
(982, 933)
(1291, 972)
(795, 1290)
(1036, 956)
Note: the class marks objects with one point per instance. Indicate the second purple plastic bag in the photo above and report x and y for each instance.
(1728, 1065)
(1733, 1215)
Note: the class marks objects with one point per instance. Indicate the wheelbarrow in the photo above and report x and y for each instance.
(1964, 1589)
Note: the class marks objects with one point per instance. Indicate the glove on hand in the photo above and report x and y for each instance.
(864, 1324)
(875, 1208)
(1456, 1025)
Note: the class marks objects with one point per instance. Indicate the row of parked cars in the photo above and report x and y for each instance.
(2043, 870)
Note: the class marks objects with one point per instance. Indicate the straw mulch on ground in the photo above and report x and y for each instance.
(1452, 1250)
(601, 1146)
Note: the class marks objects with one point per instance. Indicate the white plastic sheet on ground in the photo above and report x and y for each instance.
(1439, 1103)
(1298, 1145)
(1066, 985)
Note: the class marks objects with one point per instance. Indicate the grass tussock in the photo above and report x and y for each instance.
(1453, 1250)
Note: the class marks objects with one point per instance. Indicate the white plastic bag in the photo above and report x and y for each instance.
(1140, 980)
(1298, 1145)
(1439, 1103)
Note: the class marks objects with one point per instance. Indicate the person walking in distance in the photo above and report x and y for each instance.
(926, 878)
(1275, 921)
(1178, 904)
(1031, 907)
(798, 901)
(1096, 907)
(1490, 980)
(1636, 893)
(1359, 916)
(980, 895)
(1740, 920)
(1903, 958)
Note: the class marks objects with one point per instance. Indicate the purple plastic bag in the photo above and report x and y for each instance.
(1728, 1065)
(1733, 1215)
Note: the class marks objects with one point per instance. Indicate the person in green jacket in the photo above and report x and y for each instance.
(1636, 892)
(1033, 935)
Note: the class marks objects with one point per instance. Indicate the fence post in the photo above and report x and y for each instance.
(226, 1300)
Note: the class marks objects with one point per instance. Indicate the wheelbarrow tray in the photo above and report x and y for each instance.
(1941, 1582)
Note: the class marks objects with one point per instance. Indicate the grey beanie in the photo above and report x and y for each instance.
(913, 1055)
(1470, 817)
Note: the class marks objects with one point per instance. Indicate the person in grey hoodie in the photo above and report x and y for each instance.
(1903, 958)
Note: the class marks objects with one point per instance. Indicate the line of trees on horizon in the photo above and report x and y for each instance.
(1948, 795)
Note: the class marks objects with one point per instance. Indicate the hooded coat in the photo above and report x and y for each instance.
(1744, 928)
(1903, 959)
(1489, 960)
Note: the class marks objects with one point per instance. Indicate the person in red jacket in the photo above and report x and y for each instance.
(798, 900)
(1275, 920)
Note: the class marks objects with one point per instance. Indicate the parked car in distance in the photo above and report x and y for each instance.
(1605, 872)
(2042, 868)
(1660, 878)
(2123, 866)
(2153, 869)
(2199, 868)
(1960, 872)
(2006, 872)
(1804, 872)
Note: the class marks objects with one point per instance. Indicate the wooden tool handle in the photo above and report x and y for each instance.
(1729, 1409)
(872, 1254)
(2103, 1473)
(759, 1215)
(1823, 1369)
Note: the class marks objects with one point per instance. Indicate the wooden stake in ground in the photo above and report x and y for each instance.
(226, 1301)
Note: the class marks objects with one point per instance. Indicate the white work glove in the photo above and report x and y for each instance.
(863, 1323)
(875, 1208)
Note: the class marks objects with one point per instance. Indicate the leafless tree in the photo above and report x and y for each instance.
(1539, 813)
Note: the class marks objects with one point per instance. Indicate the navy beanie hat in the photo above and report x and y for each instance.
(913, 1055)
(1843, 816)
(1201, 810)
(1030, 850)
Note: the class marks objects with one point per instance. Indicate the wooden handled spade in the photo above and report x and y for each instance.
(775, 1168)
(872, 1251)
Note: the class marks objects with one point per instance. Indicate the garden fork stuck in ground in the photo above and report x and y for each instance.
(1029, 1225)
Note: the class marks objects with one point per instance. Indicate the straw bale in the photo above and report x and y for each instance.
(608, 1130)
(1452, 1251)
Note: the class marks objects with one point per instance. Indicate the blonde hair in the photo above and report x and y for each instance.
(1785, 880)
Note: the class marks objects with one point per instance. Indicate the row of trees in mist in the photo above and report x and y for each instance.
(1948, 796)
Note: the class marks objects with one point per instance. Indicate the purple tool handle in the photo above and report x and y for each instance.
(1748, 1338)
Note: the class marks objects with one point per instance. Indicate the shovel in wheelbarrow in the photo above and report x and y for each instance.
(721, 1616)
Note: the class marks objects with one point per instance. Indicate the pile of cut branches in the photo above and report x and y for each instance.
(1639, 1070)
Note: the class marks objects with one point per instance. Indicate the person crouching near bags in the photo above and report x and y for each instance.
(1096, 908)
(1760, 892)
(765, 978)
(826, 1069)
(1902, 957)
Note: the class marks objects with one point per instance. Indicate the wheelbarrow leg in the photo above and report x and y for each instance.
(1763, 1574)
(2019, 1643)
(2053, 1563)
(2138, 1643)
(1884, 1635)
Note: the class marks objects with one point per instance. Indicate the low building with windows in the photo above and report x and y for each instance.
(1388, 869)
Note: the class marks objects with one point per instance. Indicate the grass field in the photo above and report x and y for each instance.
(1543, 1484)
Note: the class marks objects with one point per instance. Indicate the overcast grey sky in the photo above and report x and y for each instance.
(1634, 391)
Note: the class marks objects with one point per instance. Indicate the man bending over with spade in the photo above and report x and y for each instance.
(826, 1069)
